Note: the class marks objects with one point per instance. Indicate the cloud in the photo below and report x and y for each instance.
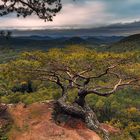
(82, 13)
(123, 10)
(90, 12)
(72, 14)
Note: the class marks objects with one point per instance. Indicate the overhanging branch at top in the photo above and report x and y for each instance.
(44, 9)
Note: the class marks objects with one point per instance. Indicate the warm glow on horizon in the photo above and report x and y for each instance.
(81, 13)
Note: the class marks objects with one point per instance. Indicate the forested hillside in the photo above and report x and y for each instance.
(99, 43)
(20, 43)
(19, 83)
(130, 43)
(76, 77)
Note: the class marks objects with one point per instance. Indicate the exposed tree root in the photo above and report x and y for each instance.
(83, 112)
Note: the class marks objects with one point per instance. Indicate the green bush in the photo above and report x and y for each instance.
(121, 109)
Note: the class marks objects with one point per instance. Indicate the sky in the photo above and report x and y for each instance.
(82, 14)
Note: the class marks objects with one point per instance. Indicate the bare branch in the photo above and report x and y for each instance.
(114, 89)
(102, 74)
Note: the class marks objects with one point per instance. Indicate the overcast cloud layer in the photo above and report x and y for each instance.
(83, 13)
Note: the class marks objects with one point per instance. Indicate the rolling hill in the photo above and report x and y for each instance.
(130, 43)
(100, 43)
(46, 42)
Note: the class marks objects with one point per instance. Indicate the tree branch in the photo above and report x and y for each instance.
(43, 9)
(114, 89)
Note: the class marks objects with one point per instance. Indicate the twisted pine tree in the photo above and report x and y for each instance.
(81, 76)
(62, 74)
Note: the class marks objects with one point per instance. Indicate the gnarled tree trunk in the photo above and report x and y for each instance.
(82, 110)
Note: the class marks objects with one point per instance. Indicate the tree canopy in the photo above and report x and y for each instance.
(44, 9)
(78, 74)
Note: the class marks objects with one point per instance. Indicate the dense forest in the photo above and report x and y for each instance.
(96, 80)
(21, 83)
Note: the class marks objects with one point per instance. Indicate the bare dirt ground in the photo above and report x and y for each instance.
(34, 122)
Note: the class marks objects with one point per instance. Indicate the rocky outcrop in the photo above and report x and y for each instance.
(38, 122)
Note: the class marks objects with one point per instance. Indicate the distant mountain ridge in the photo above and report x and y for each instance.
(135, 37)
(45, 42)
(118, 29)
(130, 43)
(100, 43)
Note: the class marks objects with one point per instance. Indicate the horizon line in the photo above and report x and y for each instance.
(59, 27)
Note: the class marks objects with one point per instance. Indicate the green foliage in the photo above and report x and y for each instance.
(28, 98)
(128, 44)
(121, 109)
(26, 8)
